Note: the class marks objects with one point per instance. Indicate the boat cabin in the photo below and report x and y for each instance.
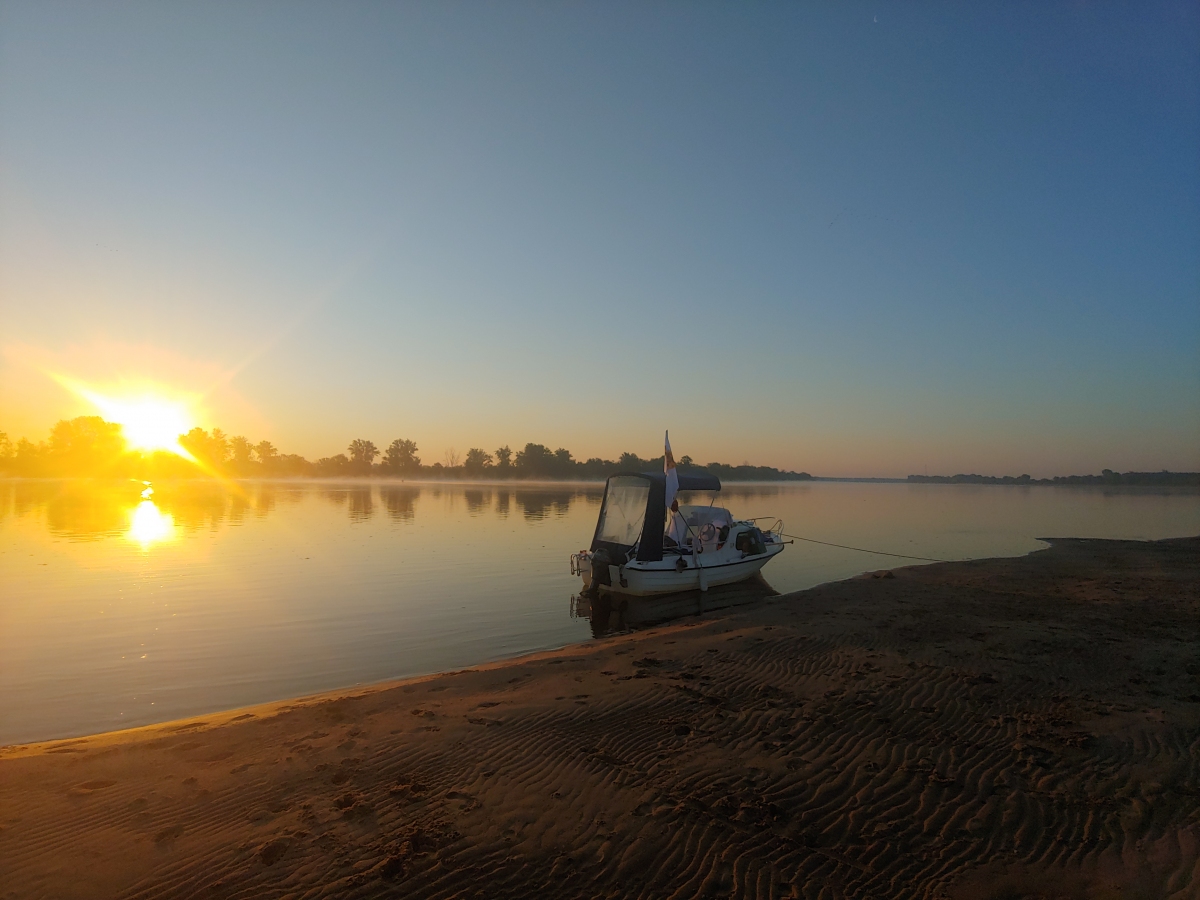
(633, 515)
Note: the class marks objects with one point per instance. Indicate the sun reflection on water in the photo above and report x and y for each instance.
(148, 525)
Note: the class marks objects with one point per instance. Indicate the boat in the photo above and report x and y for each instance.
(632, 553)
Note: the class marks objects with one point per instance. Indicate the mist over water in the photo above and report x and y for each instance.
(123, 604)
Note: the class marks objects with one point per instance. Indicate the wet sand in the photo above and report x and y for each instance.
(1000, 729)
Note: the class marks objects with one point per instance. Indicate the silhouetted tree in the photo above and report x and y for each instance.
(596, 467)
(241, 453)
(266, 453)
(293, 464)
(86, 435)
(401, 457)
(195, 442)
(84, 446)
(334, 465)
(209, 450)
(362, 454)
(218, 447)
(477, 461)
(28, 456)
(534, 461)
(89, 445)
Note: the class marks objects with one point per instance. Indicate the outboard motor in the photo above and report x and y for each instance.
(600, 574)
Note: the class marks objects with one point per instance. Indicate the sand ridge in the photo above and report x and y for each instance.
(1000, 728)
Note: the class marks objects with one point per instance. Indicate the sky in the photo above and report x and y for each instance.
(855, 239)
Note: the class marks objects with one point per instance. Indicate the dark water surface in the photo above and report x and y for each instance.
(119, 610)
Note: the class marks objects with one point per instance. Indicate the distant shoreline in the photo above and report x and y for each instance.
(1150, 479)
(1105, 479)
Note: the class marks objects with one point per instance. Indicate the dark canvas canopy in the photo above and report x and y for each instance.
(634, 512)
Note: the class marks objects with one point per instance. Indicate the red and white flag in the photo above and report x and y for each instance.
(669, 471)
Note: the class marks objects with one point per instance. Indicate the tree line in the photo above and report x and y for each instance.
(90, 446)
(1107, 477)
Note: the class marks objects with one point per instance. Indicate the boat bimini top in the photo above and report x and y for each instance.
(633, 514)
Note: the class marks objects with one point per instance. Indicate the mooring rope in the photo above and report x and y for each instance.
(797, 537)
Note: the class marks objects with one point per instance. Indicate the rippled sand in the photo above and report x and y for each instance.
(1005, 728)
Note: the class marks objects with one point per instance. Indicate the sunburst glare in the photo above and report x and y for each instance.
(150, 420)
(148, 525)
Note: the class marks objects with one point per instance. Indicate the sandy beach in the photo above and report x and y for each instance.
(1003, 728)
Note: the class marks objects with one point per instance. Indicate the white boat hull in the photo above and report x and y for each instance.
(646, 579)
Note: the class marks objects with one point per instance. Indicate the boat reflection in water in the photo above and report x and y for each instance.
(615, 613)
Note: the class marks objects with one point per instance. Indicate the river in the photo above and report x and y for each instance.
(126, 604)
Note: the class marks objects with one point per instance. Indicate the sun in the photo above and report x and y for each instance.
(150, 419)
(149, 423)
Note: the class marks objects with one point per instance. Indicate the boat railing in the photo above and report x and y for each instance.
(775, 529)
(580, 562)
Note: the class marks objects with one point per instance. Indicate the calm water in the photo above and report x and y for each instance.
(119, 610)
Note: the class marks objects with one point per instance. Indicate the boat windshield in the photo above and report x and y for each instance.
(624, 511)
(706, 515)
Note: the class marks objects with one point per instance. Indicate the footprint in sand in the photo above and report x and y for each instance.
(168, 834)
(346, 770)
(270, 853)
(88, 787)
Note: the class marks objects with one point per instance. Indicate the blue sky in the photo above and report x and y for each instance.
(857, 239)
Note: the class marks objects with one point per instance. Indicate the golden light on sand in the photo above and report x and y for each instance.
(148, 525)
(150, 418)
